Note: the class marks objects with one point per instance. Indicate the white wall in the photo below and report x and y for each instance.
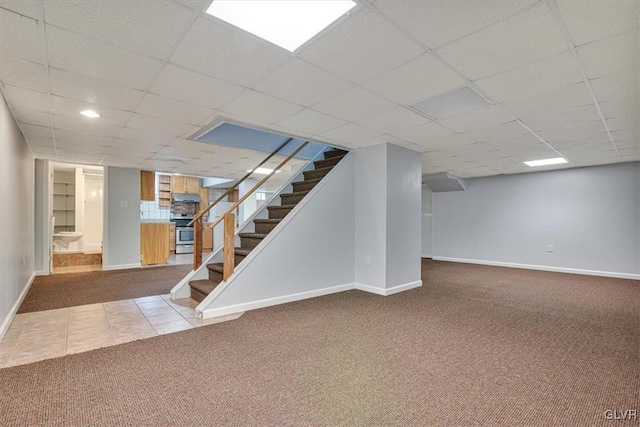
(403, 204)
(427, 228)
(591, 216)
(122, 218)
(41, 217)
(310, 255)
(371, 215)
(16, 217)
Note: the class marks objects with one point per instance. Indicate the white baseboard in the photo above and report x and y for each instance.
(121, 266)
(232, 309)
(542, 268)
(388, 291)
(41, 273)
(14, 309)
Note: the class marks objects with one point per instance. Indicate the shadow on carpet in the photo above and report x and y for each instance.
(68, 290)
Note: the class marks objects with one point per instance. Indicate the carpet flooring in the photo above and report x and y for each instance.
(68, 290)
(475, 345)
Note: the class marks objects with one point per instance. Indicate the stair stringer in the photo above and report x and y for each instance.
(310, 253)
(182, 289)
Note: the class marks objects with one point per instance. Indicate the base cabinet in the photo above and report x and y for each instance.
(154, 243)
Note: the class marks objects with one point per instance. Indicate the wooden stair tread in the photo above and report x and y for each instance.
(282, 207)
(204, 286)
(267, 220)
(252, 235)
(218, 267)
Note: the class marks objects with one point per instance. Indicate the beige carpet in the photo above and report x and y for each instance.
(475, 345)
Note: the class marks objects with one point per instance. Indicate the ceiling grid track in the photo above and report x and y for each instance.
(576, 58)
(43, 32)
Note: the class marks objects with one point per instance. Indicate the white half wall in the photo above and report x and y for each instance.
(121, 218)
(309, 254)
(591, 217)
(17, 187)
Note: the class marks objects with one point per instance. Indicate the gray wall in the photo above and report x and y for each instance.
(427, 233)
(16, 215)
(404, 188)
(122, 218)
(41, 217)
(591, 216)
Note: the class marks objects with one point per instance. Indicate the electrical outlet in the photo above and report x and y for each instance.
(549, 248)
(367, 259)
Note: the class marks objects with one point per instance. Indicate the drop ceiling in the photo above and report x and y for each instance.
(561, 77)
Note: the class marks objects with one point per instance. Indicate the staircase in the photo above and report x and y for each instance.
(201, 288)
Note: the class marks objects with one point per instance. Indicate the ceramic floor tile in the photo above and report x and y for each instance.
(87, 307)
(81, 347)
(175, 326)
(20, 319)
(143, 300)
(166, 297)
(214, 320)
(157, 320)
(153, 304)
(160, 311)
(4, 360)
(34, 355)
(134, 334)
(7, 347)
(12, 335)
(184, 302)
(89, 332)
(87, 316)
(114, 305)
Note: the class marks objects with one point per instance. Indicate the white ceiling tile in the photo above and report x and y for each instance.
(44, 152)
(522, 39)
(574, 117)
(82, 147)
(394, 120)
(89, 89)
(21, 37)
(478, 119)
(30, 8)
(523, 140)
(165, 108)
(610, 55)
(84, 138)
(193, 4)
(85, 125)
(39, 141)
(311, 122)
(228, 53)
(72, 108)
(577, 152)
(150, 28)
(499, 132)
(619, 107)
(544, 76)
(620, 85)
(418, 79)
(353, 48)
(354, 104)
(252, 105)
(446, 142)
(532, 152)
(302, 84)
(438, 22)
(354, 134)
(623, 123)
(72, 52)
(184, 85)
(35, 130)
(32, 117)
(572, 132)
(601, 138)
(567, 98)
(143, 135)
(423, 134)
(598, 19)
(27, 99)
(16, 72)
(155, 125)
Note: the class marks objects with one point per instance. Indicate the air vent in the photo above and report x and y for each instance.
(451, 103)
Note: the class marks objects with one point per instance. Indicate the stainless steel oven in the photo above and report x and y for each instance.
(184, 234)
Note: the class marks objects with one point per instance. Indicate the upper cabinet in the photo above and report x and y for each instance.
(164, 190)
(147, 186)
(185, 184)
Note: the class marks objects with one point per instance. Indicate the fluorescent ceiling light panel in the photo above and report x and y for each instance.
(547, 162)
(90, 113)
(451, 103)
(286, 23)
(262, 171)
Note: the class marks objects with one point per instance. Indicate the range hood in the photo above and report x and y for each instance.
(184, 197)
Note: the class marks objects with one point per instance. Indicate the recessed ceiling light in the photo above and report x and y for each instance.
(451, 103)
(546, 162)
(286, 23)
(90, 113)
(262, 171)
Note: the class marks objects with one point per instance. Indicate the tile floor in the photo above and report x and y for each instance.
(54, 333)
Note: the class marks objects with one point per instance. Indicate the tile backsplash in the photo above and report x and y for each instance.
(151, 210)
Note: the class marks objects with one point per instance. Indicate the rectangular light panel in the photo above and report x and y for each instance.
(546, 162)
(451, 103)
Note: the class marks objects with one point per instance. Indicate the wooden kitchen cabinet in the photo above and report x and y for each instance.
(172, 237)
(154, 243)
(164, 190)
(207, 239)
(148, 186)
(185, 184)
